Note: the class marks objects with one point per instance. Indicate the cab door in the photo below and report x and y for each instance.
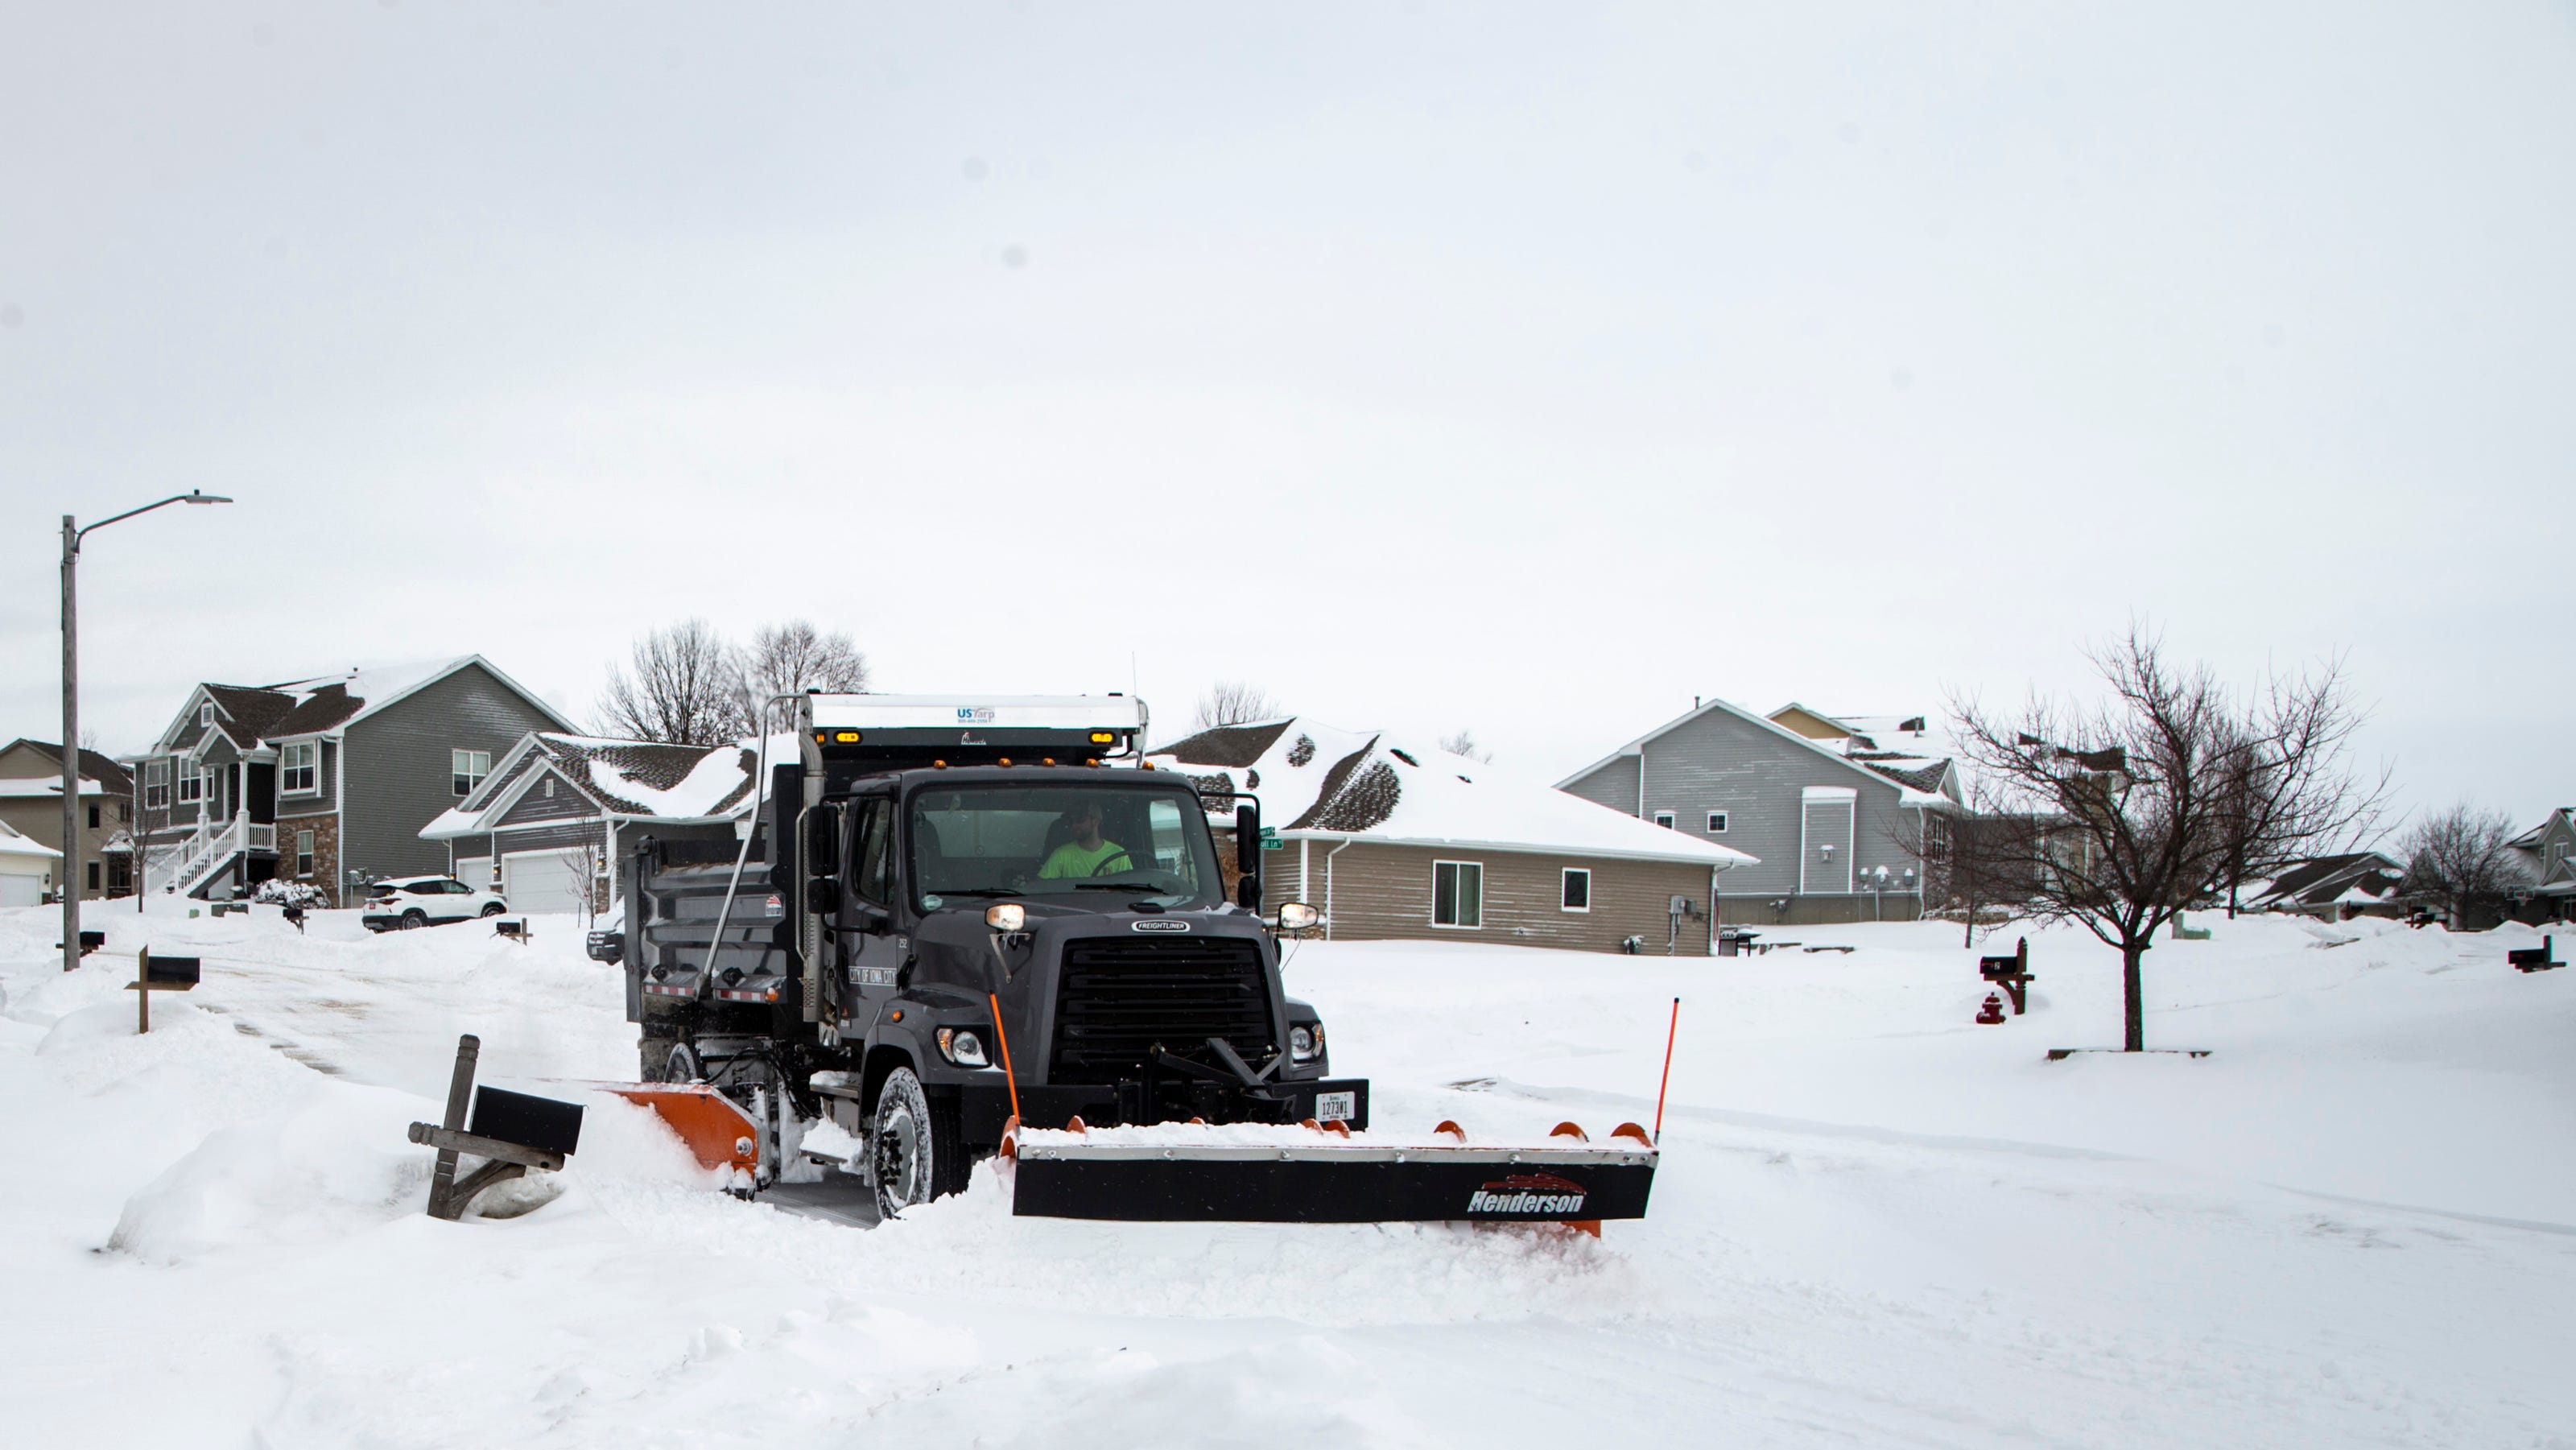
(874, 946)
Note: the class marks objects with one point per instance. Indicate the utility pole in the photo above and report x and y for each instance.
(67, 879)
(70, 883)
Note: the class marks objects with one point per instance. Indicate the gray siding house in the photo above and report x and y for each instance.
(547, 827)
(327, 780)
(1837, 826)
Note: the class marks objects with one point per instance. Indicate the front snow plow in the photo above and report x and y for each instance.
(1310, 1174)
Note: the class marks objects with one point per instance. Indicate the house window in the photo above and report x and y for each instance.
(299, 768)
(466, 769)
(550, 787)
(192, 786)
(1664, 819)
(1457, 893)
(1717, 823)
(304, 853)
(93, 875)
(206, 713)
(156, 785)
(93, 818)
(1575, 893)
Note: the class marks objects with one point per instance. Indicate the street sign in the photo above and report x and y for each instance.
(1273, 843)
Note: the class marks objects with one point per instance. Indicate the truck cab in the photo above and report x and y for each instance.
(969, 913)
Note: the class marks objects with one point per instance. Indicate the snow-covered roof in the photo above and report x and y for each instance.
(32, 789)
(628, 780)
(1315, 781)
(330, 704)
(13, 843)
(2353, 877)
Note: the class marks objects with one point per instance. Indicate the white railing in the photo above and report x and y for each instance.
(163, 864)
(183, 866)
(218, 852)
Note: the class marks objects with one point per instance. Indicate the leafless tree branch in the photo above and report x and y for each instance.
(1232, 702)
(2120, 815)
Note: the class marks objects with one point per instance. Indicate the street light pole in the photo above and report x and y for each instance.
(70, 885)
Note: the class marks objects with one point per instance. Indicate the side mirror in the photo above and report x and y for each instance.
(1297, 916)
(1247, 839)
(823, 841)
(822, 896)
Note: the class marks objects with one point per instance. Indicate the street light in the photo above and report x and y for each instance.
(71, 883)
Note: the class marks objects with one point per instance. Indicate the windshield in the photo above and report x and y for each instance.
(1107, 845)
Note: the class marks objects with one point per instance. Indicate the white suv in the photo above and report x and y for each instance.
(412, 901)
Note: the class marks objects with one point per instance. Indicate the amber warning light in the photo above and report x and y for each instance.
(845, 737)
(1102, 737)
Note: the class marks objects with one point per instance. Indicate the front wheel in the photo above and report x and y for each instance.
(493, 908)
(918, 1151)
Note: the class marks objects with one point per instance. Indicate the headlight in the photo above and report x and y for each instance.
(1297, 916)
(963, 1047)
(1305, 1043)
(1006, 916)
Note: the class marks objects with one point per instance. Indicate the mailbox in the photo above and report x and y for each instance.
(531, 1122)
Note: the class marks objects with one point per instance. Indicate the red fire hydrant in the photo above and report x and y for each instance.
(1992, 1013)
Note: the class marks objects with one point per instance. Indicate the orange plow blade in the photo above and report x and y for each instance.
(714, 1126)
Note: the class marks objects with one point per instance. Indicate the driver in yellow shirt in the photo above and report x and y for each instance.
(1087, 854)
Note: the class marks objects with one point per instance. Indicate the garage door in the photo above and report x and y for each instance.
(544, 881)
(22, 890)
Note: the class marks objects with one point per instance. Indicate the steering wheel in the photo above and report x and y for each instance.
(1101, 867)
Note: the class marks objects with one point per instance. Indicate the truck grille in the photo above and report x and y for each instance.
(1117, 998)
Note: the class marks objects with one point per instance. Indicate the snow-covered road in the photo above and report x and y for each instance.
(1876, 1224)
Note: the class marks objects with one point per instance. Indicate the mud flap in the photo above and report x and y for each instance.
(1069, 1176)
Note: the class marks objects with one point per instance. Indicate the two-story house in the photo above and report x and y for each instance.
(546, 829)
(326, 780)
(31, 803)
(1835, 815)
(2548, 853)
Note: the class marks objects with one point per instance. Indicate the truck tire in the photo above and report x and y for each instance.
(917, 1151)
(679, 1061)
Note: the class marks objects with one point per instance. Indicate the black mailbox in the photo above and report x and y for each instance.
(531, 1122)
(170, 971)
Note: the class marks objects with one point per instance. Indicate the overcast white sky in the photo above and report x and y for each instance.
(1528, 368)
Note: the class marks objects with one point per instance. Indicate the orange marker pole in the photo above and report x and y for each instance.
(1669, 1034)
(1013, 1078)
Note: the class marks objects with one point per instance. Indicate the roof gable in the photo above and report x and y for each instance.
(1728, 710)
(93, 766)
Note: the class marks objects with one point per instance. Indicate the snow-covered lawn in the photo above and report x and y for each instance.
(1876, 1224)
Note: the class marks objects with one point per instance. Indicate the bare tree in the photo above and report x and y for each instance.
(1232, 702)
(2460, 855)
(2120, 816)
(682, 686)
(1463, 742)
(791, 658)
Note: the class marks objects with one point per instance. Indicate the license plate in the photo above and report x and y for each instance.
(1336, 1107)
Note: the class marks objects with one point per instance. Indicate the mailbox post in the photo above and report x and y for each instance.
(512, 1132)
(158, 974)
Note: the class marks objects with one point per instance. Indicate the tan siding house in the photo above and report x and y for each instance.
(1393, 842)
(1374, 890)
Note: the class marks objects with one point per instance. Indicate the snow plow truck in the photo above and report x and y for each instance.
(956, 929)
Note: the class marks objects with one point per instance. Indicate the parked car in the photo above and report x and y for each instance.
(406, 902)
